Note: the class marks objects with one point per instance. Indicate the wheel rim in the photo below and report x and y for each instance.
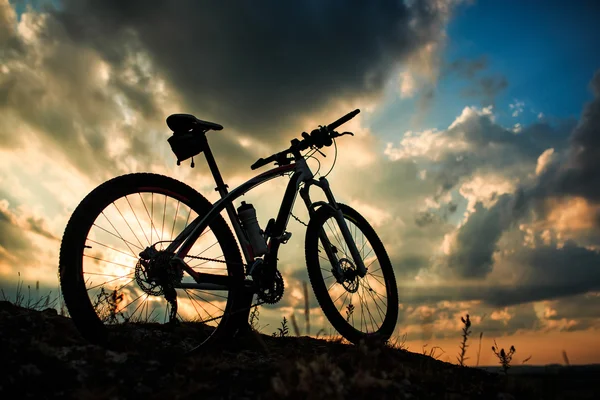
(361, 301)
(122, 229)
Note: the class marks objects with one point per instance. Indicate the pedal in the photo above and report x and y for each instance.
(285, 237)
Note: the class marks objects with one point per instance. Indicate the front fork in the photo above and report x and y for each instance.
(339, 217)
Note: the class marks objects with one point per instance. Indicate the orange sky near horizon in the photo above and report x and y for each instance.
(581, 347)
(481, 210)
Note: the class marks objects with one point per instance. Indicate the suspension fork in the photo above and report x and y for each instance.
(339, 217)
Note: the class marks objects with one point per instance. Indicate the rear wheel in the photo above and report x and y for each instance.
(117, 298)
(359, 308)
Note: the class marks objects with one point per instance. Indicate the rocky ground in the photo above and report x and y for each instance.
(43, 356)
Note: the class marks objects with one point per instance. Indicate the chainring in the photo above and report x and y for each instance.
(274, 293)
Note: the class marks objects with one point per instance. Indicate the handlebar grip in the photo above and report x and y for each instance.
(343, 120)
(259, 163)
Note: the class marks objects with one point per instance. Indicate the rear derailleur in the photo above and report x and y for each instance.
(156, 275)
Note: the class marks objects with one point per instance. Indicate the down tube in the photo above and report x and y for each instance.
(202, 224)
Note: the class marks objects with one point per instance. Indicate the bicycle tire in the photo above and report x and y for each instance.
(316, 260)
(77, 236)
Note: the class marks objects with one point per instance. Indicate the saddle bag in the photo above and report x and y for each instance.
(187, 144)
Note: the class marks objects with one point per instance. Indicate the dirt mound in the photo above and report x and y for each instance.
(43, 356)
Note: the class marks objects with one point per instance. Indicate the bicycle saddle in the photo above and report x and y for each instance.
(187, 122)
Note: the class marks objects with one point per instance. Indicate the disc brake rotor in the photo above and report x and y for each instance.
(349, 275)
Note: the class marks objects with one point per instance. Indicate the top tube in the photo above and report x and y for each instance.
(200, 223)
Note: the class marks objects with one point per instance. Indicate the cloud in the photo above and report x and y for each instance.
(548, 272)
(475, 242)
(517, 107)
(271, 66)
(20, 231)
(475, 143)
(532, 235)
(487, 88)
(573, 313)
(103, 117)
(467, 68)
(581, 175)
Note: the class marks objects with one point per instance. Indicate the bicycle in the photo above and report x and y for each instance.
(189, 249)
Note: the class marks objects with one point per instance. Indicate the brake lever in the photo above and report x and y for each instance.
(346, 133)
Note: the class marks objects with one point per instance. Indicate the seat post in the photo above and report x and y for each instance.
(214, 169)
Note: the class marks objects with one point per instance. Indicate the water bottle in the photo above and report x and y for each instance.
(247, 215)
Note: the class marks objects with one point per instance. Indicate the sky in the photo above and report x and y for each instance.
(475, 156)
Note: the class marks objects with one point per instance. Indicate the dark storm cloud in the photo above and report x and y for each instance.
(487, 88)
(582, 175)
(52, 92)
(581, 308)
(476, 240)
(542, 273)
(548, 273)
(466, 68)
(258, 69)
(484, 87)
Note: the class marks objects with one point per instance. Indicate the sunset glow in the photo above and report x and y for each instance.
(476, 159)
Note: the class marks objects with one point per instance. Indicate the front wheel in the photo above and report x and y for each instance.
(359, 308)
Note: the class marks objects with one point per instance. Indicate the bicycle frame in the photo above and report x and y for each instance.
(301, 174)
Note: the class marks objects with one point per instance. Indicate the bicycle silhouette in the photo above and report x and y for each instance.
(147, 250)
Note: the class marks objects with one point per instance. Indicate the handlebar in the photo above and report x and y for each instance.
(318, 138)
(343, 120)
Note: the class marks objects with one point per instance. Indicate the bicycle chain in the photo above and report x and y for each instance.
(298, 219)
(215, 260)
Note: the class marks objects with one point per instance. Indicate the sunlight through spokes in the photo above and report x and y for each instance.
(111, 270)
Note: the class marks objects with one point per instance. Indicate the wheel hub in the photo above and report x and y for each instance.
(349, 275)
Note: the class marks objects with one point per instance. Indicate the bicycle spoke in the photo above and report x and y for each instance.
(111, 276)
(127, 223)
(200, 304)
(379, 310)
(138, 221)
(141, 304)
(162, 229)
(192, 302)
(125, 241)
(368, 309)
(109, 262)
(175, 220)
(112, 280)
(118, 234)
(151, 218)
(112, 248)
